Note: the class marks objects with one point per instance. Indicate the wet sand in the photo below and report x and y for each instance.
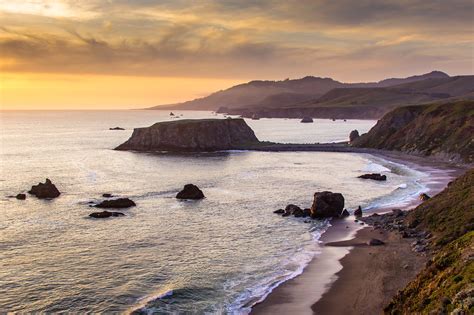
(350, 277)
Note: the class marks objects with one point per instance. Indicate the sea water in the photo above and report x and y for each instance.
(218, 255)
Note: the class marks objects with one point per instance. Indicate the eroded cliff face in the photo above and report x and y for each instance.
(442, 130)
(192, 135)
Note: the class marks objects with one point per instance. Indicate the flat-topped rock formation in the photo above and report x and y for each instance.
(192, 135)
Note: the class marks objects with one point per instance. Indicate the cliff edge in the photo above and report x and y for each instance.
(440, 130)
(192, 135)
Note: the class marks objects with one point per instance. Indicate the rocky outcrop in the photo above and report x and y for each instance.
(46, 190)
(353, 135)
(440, 130)
(192, 135)
(106, 214)
(327, 204)
(190, 191)
(424, 197)
(116, 203)
(307, 119)
(374, 176)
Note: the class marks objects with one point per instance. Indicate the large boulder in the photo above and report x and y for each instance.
(45, 190)
(327, 204)
(192, 135)
(116, 203)
(353, 135)
(374, 176)
(190, 191)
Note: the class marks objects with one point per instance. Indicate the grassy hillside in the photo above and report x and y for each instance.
(444, 130)
(447, 282)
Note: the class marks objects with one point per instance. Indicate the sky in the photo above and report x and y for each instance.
(123, 54)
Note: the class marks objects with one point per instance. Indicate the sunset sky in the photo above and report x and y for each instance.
(92, 54)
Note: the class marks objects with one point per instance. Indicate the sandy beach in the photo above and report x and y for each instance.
(350, 277)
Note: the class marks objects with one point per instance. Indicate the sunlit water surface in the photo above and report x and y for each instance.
(217, 255)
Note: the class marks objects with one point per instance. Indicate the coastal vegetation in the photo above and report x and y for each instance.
(446, 283)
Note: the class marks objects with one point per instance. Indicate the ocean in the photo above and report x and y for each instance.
(218, 255)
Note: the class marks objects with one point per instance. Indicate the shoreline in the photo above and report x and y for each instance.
(340, 256)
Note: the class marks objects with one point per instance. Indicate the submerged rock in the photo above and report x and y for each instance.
(44, 190)
(190, 191)
(192, 135)
(327, 204)
(307, 120)
(116, 203)
(21, 196)
(106, 214)
(374, 176)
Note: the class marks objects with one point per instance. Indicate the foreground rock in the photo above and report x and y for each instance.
(192, 135)
(116, 203)
(106, 214)
(327, 204)
(46, 190)
(374, 176)
(307, 120)
(190, 191)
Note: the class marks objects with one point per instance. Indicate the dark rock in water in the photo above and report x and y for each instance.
(107, 195)
(171, 114)
(293, 209)
(306, 212)
(285, 214)
(279, 211)
(375, 242)
(21, 196)
(353, 135)
(345, 213)
(190, 191)
(106, 214)
(192, 135)
(358, 212)
(45, 190)
(424, 197)
(307, 120)
(327, 204)
(116, 203)
(117, 128)
(374, 176)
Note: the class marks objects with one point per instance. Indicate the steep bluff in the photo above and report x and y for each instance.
(192, 135)
(445, 285)
(443, 130)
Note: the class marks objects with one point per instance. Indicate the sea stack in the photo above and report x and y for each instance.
(192, 135)
(46, 190)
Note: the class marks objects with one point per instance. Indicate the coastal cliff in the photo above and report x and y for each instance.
(192, 135)
(446, 283)
(440, 130)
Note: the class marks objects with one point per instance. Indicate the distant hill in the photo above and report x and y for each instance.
(279, 94)
(445, 130)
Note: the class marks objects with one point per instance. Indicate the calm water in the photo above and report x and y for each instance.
(218, 255)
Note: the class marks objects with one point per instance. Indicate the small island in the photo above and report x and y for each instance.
(192, 135)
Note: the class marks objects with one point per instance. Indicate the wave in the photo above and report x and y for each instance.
(258, 293)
